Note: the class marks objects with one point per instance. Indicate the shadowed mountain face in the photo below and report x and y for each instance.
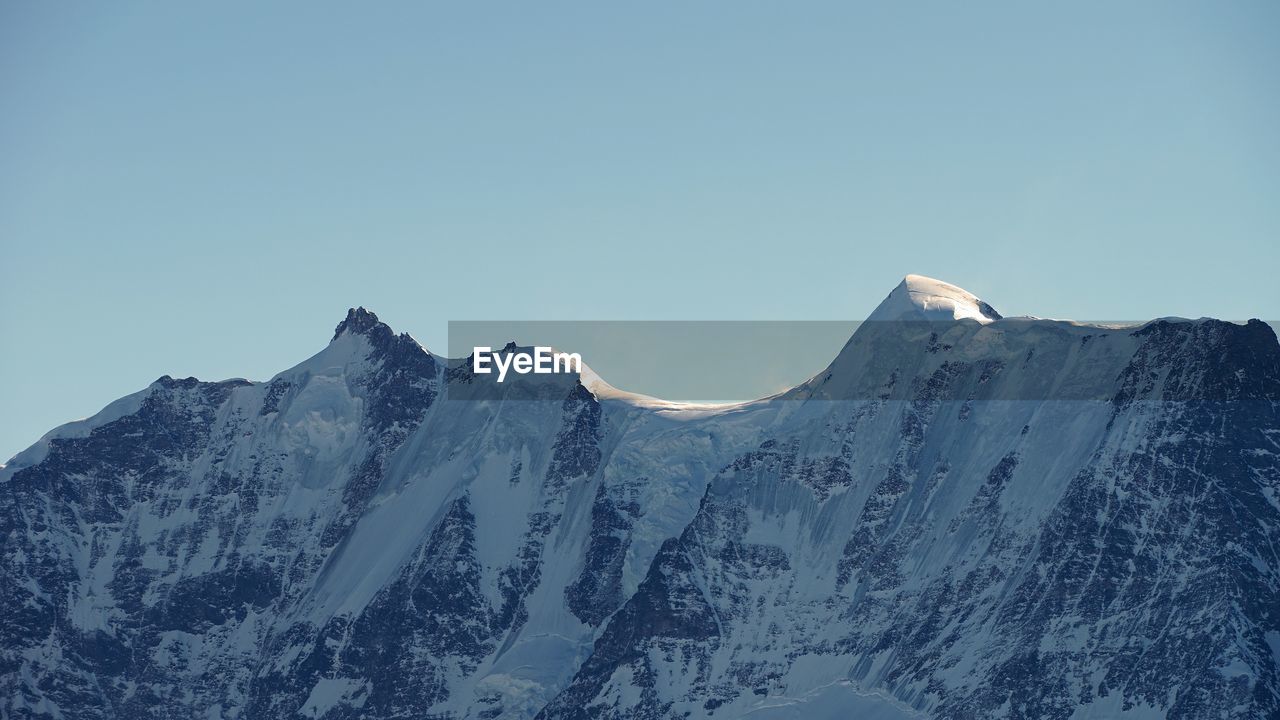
(963, 516)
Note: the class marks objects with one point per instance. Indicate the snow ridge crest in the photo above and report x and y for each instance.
(924, 298)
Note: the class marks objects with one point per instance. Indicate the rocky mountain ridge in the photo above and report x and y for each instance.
(965, 515)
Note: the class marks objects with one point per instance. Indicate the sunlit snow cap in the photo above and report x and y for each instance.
(923, 298)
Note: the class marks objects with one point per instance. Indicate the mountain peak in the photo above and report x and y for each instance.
(358, 321)
(923, 298)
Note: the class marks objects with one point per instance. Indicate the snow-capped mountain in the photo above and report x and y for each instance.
(963, 516)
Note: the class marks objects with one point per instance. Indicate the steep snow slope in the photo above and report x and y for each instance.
(962, 516)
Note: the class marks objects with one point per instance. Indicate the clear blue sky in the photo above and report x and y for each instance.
(203, 189)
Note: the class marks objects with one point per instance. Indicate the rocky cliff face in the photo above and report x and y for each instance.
(964, 516)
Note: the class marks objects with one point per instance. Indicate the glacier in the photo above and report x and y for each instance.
(964, 515)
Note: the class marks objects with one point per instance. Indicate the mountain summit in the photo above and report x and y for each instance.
(923, 298)
(894, 539)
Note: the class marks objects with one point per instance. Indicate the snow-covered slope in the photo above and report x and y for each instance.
(963, 516)
(920, 298)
